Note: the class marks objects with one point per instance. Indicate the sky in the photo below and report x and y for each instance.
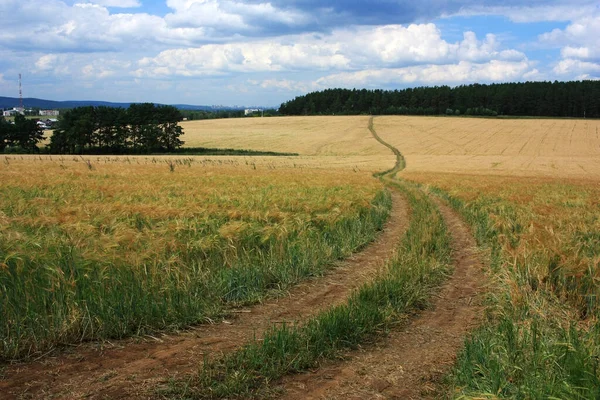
(260, 52)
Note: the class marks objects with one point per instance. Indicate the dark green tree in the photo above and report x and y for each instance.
(5, 129)
(25, 133)
(553, 99)
(168, 118)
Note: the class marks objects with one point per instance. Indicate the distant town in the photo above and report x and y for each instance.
(22, 111)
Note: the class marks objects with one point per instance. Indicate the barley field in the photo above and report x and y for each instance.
(95, 247)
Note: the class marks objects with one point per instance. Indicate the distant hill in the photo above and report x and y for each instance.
(30, 102)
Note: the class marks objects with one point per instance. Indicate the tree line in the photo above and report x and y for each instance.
(21, 136)
(195, 115)
(140, 129)
(548, 99)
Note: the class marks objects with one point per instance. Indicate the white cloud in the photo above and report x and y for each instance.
(241, 57)
(226, 15)
(578, 40)
(51, 25)
(575, 52)
(46, 62)
(117, 3)
(285, 85)
(574, 67)
(348, 49)
(534, 13)
(579, 48)
(462, 72)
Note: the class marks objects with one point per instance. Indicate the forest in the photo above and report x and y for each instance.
(579, 99)
(140, 129)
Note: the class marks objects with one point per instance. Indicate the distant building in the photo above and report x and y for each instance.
(50, 113)
(13, 112)
(250, 111)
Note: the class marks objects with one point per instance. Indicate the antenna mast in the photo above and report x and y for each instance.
(20, 93)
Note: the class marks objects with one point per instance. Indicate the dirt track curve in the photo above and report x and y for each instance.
(409, 363)
(131, 369)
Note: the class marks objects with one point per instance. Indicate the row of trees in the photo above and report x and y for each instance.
(220, 114)
(140, 129)
(551, 99)
(22, 136)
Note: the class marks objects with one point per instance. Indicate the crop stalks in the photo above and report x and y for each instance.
(420, 264)
(541, 336)
(125, 248)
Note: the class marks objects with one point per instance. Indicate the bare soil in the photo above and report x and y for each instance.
(409, 363)
(132, 368)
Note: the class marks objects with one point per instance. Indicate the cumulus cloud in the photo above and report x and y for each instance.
(83, 27)
(230, 15)
(242, 57)
(579, 48)
(578, 40)
(348, 49)
(91, 26)
(570, 66)
(258, 45)
(463, 71)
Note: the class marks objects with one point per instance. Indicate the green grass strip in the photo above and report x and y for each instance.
(421, 264)
(400, 160)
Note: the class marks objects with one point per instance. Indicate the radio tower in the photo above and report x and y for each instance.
(20, 94)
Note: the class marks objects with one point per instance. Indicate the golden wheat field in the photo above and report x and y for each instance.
(323, 136)
(517, 147)
(331, 141)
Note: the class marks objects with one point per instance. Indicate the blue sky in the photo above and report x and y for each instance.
(261, 52)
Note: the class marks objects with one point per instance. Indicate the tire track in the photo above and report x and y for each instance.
(400, 160)
(409, 363)
(133, 368)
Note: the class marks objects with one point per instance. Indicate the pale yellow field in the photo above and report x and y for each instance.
(322, 142)
(516, 147)
(322, 136)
